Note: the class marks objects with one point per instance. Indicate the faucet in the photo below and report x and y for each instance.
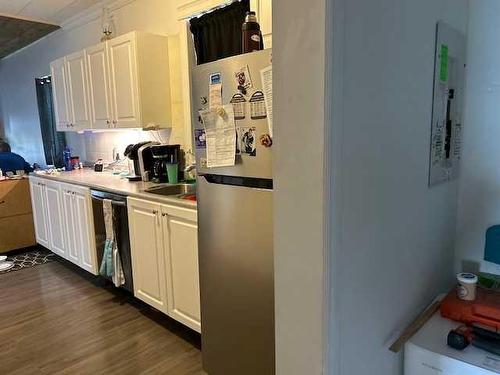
(189, 168)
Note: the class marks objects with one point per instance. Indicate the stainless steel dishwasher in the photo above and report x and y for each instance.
(120, 225)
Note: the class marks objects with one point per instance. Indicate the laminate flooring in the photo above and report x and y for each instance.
(55, 319)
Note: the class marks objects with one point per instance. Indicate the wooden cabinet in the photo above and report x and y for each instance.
(164, 244)
(60, 94)
(180, 236)
(148, 262)
(64, 222)
(16, 215)
(99, 86)
(122, 83)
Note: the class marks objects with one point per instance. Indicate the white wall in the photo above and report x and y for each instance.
(299, 174)
(479, 194)
(18, 72)
(393, 237)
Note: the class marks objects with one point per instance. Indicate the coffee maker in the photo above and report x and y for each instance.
(163, 155)
(142, 156)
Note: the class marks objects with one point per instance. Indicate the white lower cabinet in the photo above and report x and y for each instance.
(148, 262)
(79, 225)
(55, 218)
(164, 244)
(64, 222)
(180, 233)
(39, 205)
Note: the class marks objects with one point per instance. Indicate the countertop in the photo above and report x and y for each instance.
(106, 181)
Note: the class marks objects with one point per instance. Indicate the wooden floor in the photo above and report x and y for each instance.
(54, 320)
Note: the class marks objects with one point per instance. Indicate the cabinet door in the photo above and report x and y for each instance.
(60, 94)
(263, 9)
(146, 244)
(124, 82)
(76, 68)
(183, 284)
(83, 225)
(55, 218)
(68, 208)
(99, 89)
(38, 201)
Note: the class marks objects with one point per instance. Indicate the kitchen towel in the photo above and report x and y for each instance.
(111, 265)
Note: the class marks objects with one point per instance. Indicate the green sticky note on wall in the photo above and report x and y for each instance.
(443, 72)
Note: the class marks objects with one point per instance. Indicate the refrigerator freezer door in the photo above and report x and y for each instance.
(258, 166)
(236, 279)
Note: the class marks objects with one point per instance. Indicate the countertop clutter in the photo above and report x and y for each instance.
(114, 184)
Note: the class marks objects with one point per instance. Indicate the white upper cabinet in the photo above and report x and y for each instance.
(99, 86)
(76, 69)
(264, 12)
(188, 8)
(60, 94)
(263, 9)
(122, 83)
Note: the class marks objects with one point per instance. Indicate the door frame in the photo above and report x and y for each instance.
(303, 113)
(304, 244)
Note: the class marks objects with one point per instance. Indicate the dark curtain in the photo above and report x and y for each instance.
(53, 141)
(218, 34)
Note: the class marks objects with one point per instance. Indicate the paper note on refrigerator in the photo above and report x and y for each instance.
(215, 95)
(267, 87)
(220, 135)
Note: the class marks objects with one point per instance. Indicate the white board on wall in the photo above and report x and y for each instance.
(448, 103)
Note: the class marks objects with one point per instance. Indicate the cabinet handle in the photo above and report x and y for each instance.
(107, 122)
(155, 212)
(164, 214)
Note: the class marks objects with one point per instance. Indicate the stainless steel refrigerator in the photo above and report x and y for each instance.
(235, 222)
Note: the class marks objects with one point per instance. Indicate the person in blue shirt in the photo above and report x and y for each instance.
(11, 162)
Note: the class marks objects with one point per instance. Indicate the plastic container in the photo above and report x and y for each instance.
(67, 159)
(173, 173)
(467, 284)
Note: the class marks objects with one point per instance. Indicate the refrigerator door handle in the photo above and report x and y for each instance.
(249, 182)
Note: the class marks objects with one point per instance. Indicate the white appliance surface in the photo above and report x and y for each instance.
(427, 353)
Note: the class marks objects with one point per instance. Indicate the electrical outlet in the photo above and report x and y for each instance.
(203, 162)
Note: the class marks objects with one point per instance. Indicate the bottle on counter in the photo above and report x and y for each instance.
(67, 159)
(251, 34)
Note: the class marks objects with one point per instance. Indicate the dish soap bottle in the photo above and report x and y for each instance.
(251, 34)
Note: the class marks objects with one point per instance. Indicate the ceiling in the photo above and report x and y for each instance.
(16, 33)
(23, 22)
(48, 11)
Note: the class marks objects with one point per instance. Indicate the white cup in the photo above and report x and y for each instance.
(467, 284)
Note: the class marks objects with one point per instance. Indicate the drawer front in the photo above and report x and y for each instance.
(14, 198)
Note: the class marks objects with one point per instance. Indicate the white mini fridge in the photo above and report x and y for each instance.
(428, 354)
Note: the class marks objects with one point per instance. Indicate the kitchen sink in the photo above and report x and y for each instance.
(177, 189)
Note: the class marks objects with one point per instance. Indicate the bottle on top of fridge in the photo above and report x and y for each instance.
(251, 34)
(67, 159)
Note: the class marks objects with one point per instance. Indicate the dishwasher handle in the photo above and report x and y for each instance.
(115, 203)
